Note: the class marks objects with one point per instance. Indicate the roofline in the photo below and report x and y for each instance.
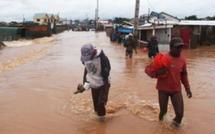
(169, 15)
(197, 22)
(156, 27)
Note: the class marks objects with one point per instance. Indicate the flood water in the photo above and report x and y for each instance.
(38, 78)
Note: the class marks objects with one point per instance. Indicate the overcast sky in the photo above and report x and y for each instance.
(79, 9)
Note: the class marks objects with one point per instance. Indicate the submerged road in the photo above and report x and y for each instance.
(38, 78)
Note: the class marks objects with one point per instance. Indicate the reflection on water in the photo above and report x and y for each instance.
(37, 82)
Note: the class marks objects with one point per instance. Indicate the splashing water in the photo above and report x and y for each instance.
(83, 108)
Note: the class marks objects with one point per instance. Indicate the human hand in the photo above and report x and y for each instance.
(161, 71)
(189, 94)
(80, 89)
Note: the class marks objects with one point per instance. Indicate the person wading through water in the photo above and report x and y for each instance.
(169, 80)
(130, 45)
(153, 47)
(96, 77)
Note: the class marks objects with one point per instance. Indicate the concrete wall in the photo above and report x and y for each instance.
(109, 31)
(42, 21)
(163, 35)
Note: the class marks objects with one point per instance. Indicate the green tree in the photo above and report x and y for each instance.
(192, 17)
(210, 18)
(119, 20)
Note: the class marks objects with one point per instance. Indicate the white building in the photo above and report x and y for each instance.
(44, 18)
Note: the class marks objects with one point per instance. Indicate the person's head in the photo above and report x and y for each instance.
(176, 45)
(130, 35)
(88, 51)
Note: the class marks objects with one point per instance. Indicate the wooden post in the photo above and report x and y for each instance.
(136, 15)
(136, 20)
(97, 16)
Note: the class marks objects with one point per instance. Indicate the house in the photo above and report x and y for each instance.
(164, 26)
(44, 18)
(159, 25)
(162, 32)
(41, 18)
(64, 21)
(195, 33)
(143, 19)
(101, 24)
(49, 20)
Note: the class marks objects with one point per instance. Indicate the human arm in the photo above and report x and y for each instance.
(157, 49)
(84, 76)
(185, 82)
(105, 67)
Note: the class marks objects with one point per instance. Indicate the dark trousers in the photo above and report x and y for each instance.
(100, 98)
(129, 53)
(177, 102)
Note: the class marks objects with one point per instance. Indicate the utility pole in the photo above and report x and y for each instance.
(136, 18)
(23, 19)
(97, 15)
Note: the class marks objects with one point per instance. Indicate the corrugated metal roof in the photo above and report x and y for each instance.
(190, 22)
(40, 15)
(149, 26)
(166, 14)
(43, 15)
(182, 23)
(108, 25)
(197, 22)
(146, 25)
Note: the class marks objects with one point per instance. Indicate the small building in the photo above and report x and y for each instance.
(49, 20)
(195, 33)
(101, 24)
(41, 18)
(108, 29)
(64, 21)
(159, 25)
(165, 26)
(44, 18)
(162, 32)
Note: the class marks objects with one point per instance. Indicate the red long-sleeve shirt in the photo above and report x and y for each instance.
(177, 74)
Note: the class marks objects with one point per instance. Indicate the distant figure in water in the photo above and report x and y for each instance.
(96, 77)
(153, 47)
(169, 81)
(130, 45)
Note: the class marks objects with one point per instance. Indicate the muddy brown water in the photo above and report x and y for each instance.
(38, 78)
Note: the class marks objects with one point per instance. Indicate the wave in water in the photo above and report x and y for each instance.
(13, 63)
(20, 43)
